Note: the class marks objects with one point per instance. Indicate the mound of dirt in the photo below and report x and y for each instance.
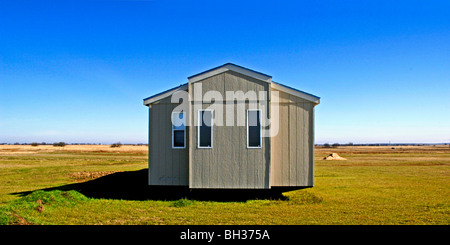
(334, 156)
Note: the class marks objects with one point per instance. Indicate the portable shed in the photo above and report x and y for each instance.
(214, 142)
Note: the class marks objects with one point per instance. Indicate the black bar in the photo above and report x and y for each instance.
(226, 234)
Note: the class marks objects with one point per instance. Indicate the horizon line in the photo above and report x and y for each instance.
(316, 144)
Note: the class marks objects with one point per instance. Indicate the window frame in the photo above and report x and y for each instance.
(173, 130)
(198, 128)
(260, 130)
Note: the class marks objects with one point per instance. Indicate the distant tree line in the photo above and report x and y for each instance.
(118, 144)
(59, 144)
(336, 145)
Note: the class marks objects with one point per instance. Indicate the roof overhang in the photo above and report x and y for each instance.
(162, 95)
(230, 67)
(296, 92)
(239, 69)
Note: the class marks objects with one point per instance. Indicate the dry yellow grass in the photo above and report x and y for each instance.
(385, 149)
(28, 149)
(376, 185)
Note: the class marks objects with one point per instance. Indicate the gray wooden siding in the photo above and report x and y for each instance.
(292, 150)
(167, 166)
(286, 159)
(229, 164)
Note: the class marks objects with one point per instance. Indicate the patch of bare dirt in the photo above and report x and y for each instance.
(40, 208)
(20, 220)
(85, 175)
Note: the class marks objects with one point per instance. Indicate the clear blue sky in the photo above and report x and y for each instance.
(77, 71)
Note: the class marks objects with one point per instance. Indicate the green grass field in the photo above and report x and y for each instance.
(376, 185)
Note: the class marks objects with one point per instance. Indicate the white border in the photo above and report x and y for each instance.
(198, 129)
(184, 143)
(260, 130)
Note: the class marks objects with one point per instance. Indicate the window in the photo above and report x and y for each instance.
(205, 128)
(178, 130)
(254, 128)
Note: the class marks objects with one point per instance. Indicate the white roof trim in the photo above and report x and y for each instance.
(164, 95)
(230, 67)
(239, 69)
(299, 94)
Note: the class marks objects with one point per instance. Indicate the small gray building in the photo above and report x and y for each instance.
(246, 142)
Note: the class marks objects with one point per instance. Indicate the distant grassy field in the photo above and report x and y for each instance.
(104, 185)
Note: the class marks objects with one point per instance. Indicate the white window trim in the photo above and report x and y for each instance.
(260, 128)
(184, 143)
(199, 122)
